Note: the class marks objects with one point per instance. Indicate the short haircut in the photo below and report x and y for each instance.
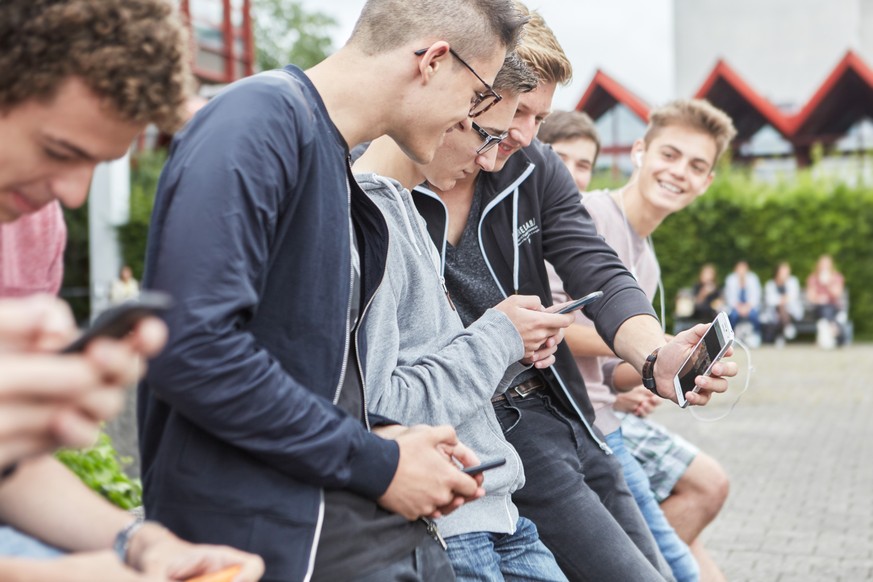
(696, 114)
(540, 49)
(515, 77)
(569, 126)
(133, 54)
(473, 28)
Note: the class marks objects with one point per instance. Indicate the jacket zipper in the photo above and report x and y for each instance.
(317, 535)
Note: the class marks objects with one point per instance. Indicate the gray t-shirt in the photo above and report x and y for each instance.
(469, 280)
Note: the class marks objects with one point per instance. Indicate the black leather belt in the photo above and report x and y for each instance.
(522, 389)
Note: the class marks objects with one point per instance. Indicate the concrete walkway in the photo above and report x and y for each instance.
(799, 450)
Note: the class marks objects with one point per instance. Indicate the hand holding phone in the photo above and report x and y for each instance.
(492, 464)
(577, 304)
(710, 349)
(120, 320)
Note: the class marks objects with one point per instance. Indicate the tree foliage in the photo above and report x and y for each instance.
(285, 33)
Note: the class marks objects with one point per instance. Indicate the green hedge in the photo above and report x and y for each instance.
(145, 170)
(795, 221)
(102, 469)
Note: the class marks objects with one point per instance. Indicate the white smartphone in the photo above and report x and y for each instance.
(710, 349)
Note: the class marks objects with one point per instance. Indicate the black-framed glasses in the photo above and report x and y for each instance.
(490, 140)
(482, 102)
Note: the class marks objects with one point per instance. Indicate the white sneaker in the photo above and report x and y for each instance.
(780, 342)
(790, 332)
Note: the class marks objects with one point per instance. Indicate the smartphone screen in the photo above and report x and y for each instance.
(708, 350)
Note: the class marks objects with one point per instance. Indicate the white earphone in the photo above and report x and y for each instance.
(638, 158)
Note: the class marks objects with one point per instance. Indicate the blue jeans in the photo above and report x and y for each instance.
(576, 495)
(13, 543)
(674, 550)
(487, 557)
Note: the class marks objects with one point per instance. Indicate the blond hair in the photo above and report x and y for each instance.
(697, 114)
(540, 49)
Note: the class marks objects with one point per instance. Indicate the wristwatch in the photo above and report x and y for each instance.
(649, 372)
(122, 539)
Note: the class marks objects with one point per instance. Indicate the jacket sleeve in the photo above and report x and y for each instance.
(581, 257)
(444, 386)
(217, 209)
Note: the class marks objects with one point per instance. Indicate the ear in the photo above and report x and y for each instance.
(637, 150)
(706, 184)
(433, 57)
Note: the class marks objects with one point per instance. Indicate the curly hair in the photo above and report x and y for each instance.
(131, 53)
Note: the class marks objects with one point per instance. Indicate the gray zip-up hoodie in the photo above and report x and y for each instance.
(425, 367)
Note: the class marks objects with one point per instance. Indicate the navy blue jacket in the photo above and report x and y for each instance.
(250, 234)
(531, 213)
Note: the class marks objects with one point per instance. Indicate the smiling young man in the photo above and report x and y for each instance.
(430, 369)
(273, 253)
(674, 164)
(495, 230)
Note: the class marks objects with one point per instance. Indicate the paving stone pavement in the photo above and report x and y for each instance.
(799, 451)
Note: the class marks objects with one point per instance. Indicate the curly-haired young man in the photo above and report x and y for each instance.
(78, 80)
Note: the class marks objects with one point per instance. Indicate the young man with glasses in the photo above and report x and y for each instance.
(273, 253)
(428, 369)
(495, 230)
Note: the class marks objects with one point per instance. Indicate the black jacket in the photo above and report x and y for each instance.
(250, 234)
(531, 212)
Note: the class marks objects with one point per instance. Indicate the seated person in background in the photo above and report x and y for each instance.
(824, 290)
(125, 287)
(574, 138)
(707, 295)
(742, 295)
(782, 304)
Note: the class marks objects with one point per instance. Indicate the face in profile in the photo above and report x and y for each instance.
(441, 106)
(48, 150)
(675, 167)
(532, 110)
(578, 155)
(457, 158)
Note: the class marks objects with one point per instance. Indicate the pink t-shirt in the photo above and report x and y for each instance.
(32, 253)
(637, 256)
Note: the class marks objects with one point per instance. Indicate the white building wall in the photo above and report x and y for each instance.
(783, 48)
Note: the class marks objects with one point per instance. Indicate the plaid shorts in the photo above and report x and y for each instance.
(664, 456)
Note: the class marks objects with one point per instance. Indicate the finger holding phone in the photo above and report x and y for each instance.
(690, 347)
(540, 330)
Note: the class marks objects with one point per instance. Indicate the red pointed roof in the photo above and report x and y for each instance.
(843, 99)
(749, 110)
(604, 93)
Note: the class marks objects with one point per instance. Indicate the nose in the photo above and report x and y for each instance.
(466, 124)
(523, 132)
(487, 160)
(71, 186)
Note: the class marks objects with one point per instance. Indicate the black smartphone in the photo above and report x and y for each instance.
(579, 303)
(116, 322)
(492, 464)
